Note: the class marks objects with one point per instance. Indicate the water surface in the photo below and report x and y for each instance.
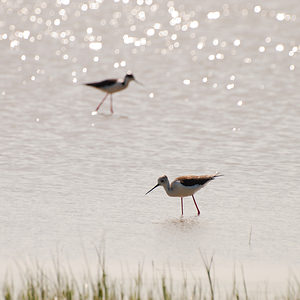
(221, 93)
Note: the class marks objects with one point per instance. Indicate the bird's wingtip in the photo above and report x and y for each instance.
(218, 174)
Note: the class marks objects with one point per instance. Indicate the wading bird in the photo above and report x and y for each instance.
(111, 86)
(184, 186)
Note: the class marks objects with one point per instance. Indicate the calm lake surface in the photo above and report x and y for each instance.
(221, 93)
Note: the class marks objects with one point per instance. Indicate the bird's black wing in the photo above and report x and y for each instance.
(193, 180)
(103, 83)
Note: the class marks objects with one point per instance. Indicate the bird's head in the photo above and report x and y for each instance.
(163, 181)
(129, 77)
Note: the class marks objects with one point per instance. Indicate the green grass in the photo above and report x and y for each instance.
(58, 284)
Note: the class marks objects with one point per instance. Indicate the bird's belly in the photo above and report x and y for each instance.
(180, 190)
(113, 88)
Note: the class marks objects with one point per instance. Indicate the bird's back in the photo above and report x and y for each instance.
(191, 180)
(101, 84)
(109, 85)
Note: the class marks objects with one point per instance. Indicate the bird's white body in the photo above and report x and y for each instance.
(176, 189)
(116, 86)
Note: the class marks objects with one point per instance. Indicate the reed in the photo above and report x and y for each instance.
(59, 284)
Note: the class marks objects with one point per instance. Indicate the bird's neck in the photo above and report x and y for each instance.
(168, 188)
(126, 81)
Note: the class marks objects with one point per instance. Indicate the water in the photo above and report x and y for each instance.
(221, 94)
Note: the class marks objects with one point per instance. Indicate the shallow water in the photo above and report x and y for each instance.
(221, 93)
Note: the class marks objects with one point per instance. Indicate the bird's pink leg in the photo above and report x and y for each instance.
(111, 105)
(181, 205)
(101, 102)
(196, 205)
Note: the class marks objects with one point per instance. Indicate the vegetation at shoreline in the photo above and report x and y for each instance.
(62, 285)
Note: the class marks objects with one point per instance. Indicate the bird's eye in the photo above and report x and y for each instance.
(163, 180)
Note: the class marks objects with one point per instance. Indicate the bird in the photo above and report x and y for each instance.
(111, 86)
(184, 186)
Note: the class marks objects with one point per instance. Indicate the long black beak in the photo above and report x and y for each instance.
(138, 82)
(152, 189)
